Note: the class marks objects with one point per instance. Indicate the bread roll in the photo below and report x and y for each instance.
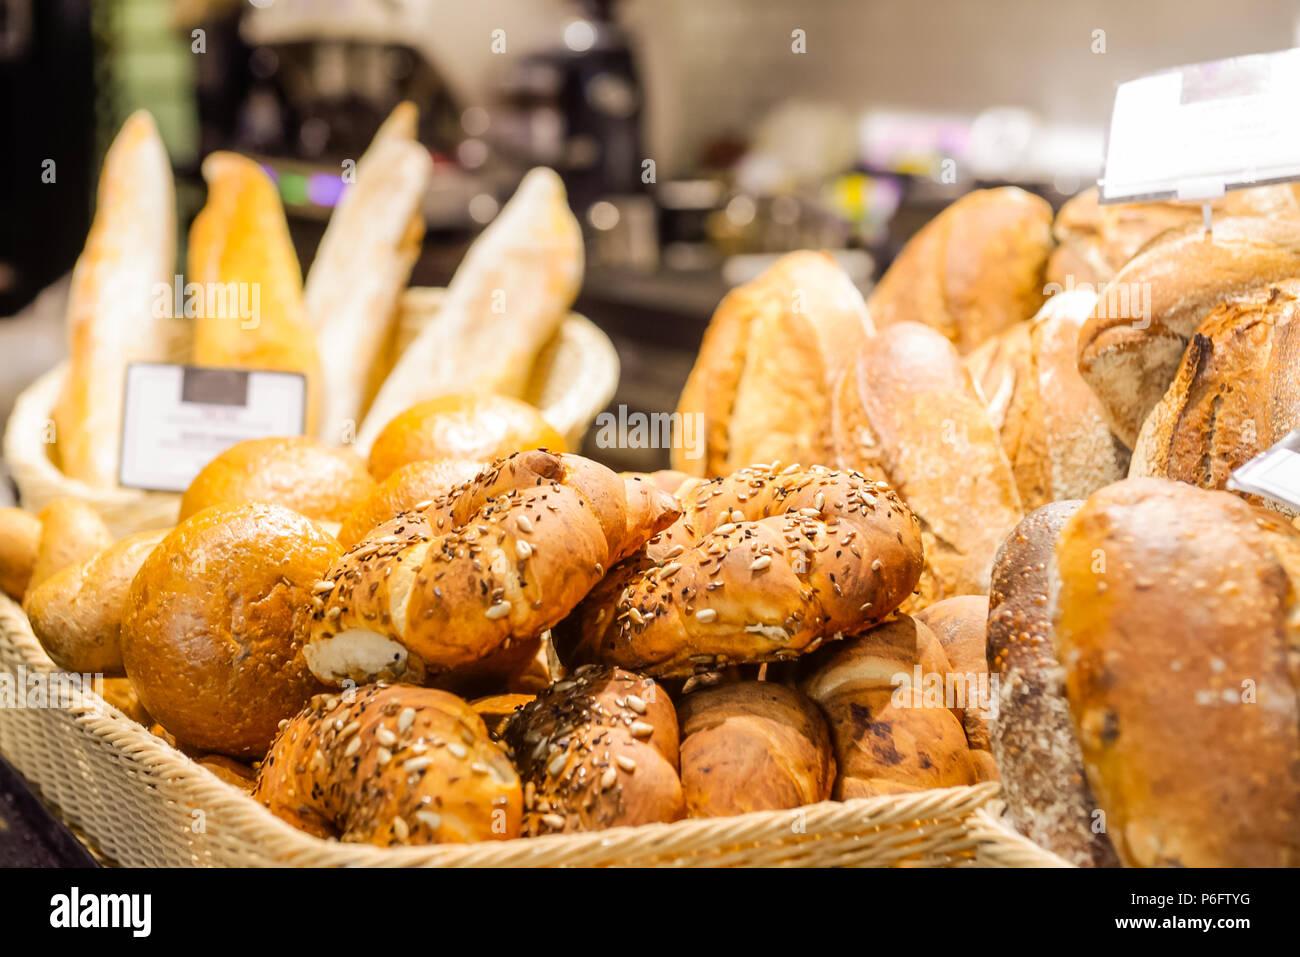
(474, 427)
(670, 480)
(497, 710)
(120, 693)
(597, 750)
(390, 765)
(315, 480)
(973, 270)
(490, 564)
(889, 736)
(753, 746)
(20, 540)
(76, 613)
(908, 414)
(1236, 392)
(403, 490)
(362, 265)
(760, 388)
(506, 300)
(209, 637)
(1053, 427)
(115, 313)
(761, 566)
(961, 625)
(235, 773)
(1179, 647)
(1032, 733)
(240, 245)
(1131, 346)
(71, 532)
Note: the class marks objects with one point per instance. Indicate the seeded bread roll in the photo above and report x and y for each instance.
(208, 638)
(961, 625)
(1131, 346)
(889, 737)
(492, 563)
(406, 488)
(296, 472)
(762, 566)
(761, 383)
(753, 746)
(1236, 392)
(20, 540)
(71, 532)
(597, 750)
(1052, 426)
(1031, 732)
(908, 414)
(76, 613)
(391, 765)
(1175, 621)
(973, 270)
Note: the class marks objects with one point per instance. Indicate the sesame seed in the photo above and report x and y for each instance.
(553, 821)
(417, 764)
(400, 830)
(385, 737)
(706, 615)
(406, 719)
(523, 550)
(626, 763)
(499, 610)
(353, 747)
(458, 750)
(761, 562)
(383, 756)
(641, 729)
(608, 778)
(524, 524)
(636, 703)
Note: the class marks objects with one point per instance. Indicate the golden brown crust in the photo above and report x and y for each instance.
(71, 532)
(77, 612)
(391, 765)
(120, 693)
(20, 540)
(1130, 357)
(1032, 733)
(961, 625)
(296, 472)
(402, 491)
(235, 773)
(753, 746)
(762, 566)
(496, 710)
(1236, 392)
(208, 638)
(973, 270)
(1181, 671)
(597, 750)
(889, 735)
(492, 563)
(477, 428)
(909, 414)
(761, 383)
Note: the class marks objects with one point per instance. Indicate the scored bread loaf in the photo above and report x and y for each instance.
(1175, 621)
(597, 750)
(753, 746)
(961, 625)
(506, 300)
(760, 386)
(973, 270)
(20, 540)
(71, 532)
(115, 315)
(1131, 346)
(240, 248)
(1053, 427)
(1236, 392)
(907, 413)
(1032, 732)
(362, 265)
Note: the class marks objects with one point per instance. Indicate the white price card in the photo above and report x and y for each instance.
(1196, 131)
(176, 418)
(1273, 474)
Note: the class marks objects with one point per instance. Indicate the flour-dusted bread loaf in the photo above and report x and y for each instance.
(361, 267)
(1032, 731)
(1174, 620)
(1236, 392)
(973, 270)
(1053, 427)
(761, 385)
(907, 413)
(115, 313)
(506, 300)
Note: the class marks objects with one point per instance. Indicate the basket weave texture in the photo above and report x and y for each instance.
(139, 802)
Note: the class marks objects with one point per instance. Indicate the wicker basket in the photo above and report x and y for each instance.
(572, 379)
(139, 802)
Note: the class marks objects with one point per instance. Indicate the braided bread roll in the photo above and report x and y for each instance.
(762, 566)
(597, 750)
(391, 765)
(491, 563)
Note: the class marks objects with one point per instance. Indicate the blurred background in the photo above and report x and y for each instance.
(697, 139)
